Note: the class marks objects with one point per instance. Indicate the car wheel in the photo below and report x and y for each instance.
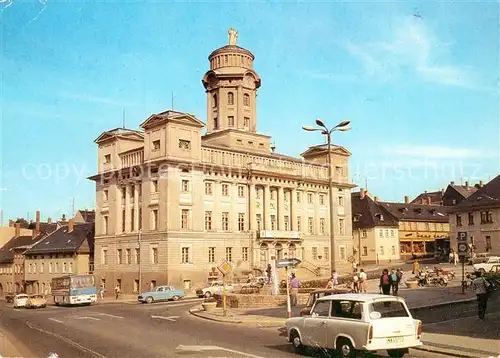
(345, 348)
(396, 353)
(149, 299)
(175, 298)
(296, 342)
(208, 294)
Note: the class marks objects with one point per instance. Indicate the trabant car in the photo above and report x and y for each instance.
(20, 300)
(36, 301)
(161, 293)
(347, 323)
(321, 292)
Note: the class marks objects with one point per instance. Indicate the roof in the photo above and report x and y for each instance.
(232, 49)
(417, 212)
(435, 196)
(371, 213)
(45, 228)
(170, 115)
(321, 149)
(487, 196)
(463, 190)
(362, 297)
(125, 133)
(6, 254)
(87, 215)
(81, 239)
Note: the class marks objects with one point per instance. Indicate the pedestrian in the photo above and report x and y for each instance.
(415, 267)
(268, 272)
(117, 291)
(385, 282)
(394, 282)
(335, 278)
(355, 281)
(482, 289)
(362, 281)
(455, 258)
(294, 284)
(101, 292)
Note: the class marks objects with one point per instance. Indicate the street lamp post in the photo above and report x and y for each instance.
(342, 127)
(139, 240)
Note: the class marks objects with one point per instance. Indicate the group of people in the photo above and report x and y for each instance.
(390, 281)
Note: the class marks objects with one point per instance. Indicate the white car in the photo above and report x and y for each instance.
(488, 265)
(354, 322)
(20, 300)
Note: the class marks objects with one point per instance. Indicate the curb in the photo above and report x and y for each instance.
(449, 352)
(443, 304)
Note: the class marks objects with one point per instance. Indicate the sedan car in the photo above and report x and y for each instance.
(20, 300)
(348, 323)
(161, 293)
(36, 301)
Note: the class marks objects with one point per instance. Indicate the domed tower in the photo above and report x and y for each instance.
(231, 85)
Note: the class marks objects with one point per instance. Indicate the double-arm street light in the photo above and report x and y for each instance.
(341, 127)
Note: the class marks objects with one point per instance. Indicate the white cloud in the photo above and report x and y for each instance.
(412, 45)
(434, 152)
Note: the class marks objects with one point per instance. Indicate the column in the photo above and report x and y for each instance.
(252, 217)
(136, 206)
(266, 213)
(293, 210)
(281, 209)
(127, 209)
(117, 210)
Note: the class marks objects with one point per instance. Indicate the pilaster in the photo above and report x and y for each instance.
(127, 208)
(137, 187)
(267, 207)
(281, 209)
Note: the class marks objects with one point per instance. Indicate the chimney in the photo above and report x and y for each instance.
(37, 227)
(466, 184)
(481, 183)
(49, 221)
(34, 233)
(452, 183)
(71, 225)
(407, 199)
(375, 198)
(361, 193)
(18, 229)
(63, 219)
(11, 223)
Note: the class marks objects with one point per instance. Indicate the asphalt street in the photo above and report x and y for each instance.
(134, 330)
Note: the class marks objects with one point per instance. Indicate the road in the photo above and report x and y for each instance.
(133, 330)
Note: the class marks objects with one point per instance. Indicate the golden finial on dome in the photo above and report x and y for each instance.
(233, 36)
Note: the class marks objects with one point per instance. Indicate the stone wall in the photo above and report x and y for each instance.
(235, 300)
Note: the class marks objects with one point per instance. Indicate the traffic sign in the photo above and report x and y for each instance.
(462, 249)
(287, 262)
(462, 236)
(225, 267)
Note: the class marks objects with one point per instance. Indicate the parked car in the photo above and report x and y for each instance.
(495, 269)
(353, 322)
(213, 289)
(9, 297)
(478, 258)
(322, 292)
(161, 293)
(20, 300)
(488, 265)
(36, 301)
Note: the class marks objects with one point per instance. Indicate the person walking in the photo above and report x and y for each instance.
(455, 258)
(335, 278)
(355, 281)
(482, 289)
(385, 282)
(294, 284)
(117, 291)
(362, 281)
(101, 292)
(394, 282)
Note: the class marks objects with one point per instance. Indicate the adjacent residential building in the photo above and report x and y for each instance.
(375, 230)
(454, 194)
(68, 250)
(173, 202)
(84, 216)
(423, 229)
(479, 217)
(8, 232)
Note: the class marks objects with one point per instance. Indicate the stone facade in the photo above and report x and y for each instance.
(172, 203)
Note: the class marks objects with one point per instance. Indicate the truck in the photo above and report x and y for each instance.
(212, 289)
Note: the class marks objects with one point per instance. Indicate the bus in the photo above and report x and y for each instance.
(74, 290)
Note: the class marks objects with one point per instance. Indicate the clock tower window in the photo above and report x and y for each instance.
(230, 98)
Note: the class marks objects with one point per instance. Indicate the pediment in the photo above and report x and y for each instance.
(118, 133)
(171, 116)
(318, 150)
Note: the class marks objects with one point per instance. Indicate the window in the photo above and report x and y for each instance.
(208, 220)
(230, 98)
(104, 254)
(211, 254)
(216, 123)
(119, 256)
(246, 100)
(393, 250)
(106, 224)
(70, 268)
(259, 221)
(389, 309)
(42, 265)
(241, 221)
(309, 198)
(230, 121)
(64, 268)
(459, 220)
(154, 255)
(310, 225)
(486, 217)
(315, 253)
(365, 251)
(364, 234)
(107, 159)
(137, 256)
(225, 221)
(185, 185)
(299, 228)
(155, 219)
(185, 219)
(298, 196)
(132, 212)
(347, 309)
(105, 194)
(128, 256)
(392, 233)
(184, 144)
(124, 221)
(488, 243)
(342, 252)
(341, 201)
(286, 220)
(241, 191)
(471, 218)
(225, 189)
(208, 188)
(321, 199)
(229, 254)
(273, 222)
(156, 145)
(154, 185)
(185, 255)
(244, 254)
(382, 250)
(322, 309)
(246, 122)
(386, 233)
(341, 227)
(326, 253)
(322, 226)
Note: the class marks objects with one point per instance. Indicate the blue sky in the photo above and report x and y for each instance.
(421, 91)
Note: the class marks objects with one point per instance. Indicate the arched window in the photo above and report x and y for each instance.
(230, 98)
(246, 100)
(215, 100)
(263, 253)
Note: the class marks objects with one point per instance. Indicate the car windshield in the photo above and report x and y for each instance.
(389, 309)
(22, 296)
(36, 296)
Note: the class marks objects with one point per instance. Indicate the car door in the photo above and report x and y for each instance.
(167, 294)
(347, 320)
(314, 334)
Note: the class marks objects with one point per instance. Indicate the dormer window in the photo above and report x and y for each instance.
(107, 159)
(380, 217)
(230, 98)
(156, 145)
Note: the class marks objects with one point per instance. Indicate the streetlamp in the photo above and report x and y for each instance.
(139, 241)
(341, 127)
